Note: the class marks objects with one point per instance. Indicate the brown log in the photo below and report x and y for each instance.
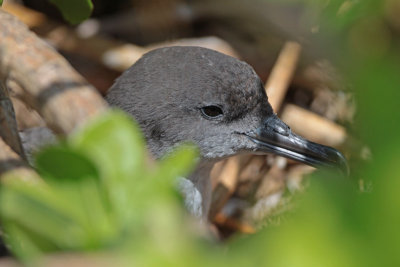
(312, 126)
(53, 88)
(282, 73)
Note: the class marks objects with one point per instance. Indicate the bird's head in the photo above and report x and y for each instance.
(194, 94)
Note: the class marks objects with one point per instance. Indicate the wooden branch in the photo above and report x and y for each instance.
(8, 124)
(53, 88)
(25, 116)
(281, 74)
(312, 126)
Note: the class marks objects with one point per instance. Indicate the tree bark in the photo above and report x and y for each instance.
(8, 124)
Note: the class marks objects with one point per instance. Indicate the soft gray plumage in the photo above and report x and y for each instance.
(166, 89)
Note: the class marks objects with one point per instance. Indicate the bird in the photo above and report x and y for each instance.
(192, 94)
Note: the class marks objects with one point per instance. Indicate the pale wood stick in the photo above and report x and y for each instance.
(226, 184)
(312, 126)
(282, 73)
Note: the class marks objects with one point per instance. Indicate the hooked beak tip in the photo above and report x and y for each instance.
(341, 163)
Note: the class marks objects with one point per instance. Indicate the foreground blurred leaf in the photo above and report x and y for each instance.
(37, 211)
(97, 192)
(75, 178)
(115, 144)
(74, 11)
(117, 147)
(63, 164)
(178, 163)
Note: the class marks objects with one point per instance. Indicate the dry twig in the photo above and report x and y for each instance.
(313, 126)
(226, 184)
(282, 73)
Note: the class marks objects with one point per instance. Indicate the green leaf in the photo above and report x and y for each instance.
(75, 178)
(114, 143)
(1, 2)
(178, 163)
(74, 11)
(58, 215)
(39, 210)
(160, 186)
(21, 243)
(64, 164)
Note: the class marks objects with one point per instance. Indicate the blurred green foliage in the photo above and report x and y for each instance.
(97, 192)
(336, 224)
(101, 195)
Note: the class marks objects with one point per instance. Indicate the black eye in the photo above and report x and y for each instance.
(212, 112)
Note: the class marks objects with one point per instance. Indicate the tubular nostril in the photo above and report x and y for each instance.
(278, 126)
(282, 129)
